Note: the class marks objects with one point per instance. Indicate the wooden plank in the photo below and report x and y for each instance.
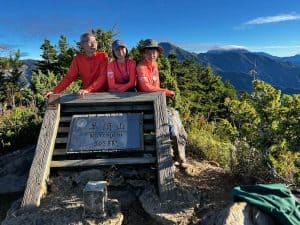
(63, 151)
(63, 129)
(102, 162)
(63, 140)
(148, 116)
(67, 119)
(165, 167)
(149, 127)
(107, 108)
(40, 168)
(59, 151)
(108, 97)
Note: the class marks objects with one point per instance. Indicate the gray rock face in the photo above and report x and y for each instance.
(178, 211)
(14, 170)
(239, 213)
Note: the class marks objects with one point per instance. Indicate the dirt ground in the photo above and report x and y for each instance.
(201, 177)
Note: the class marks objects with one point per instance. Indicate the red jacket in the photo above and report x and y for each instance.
(121, 76)
(148, 78)
(92, 72)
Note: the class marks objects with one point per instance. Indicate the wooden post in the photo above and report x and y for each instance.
(165, 167)
(40, 168)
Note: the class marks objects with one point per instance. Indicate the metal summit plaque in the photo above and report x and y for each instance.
(106, 133)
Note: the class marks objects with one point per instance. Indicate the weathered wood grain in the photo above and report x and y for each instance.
(165, 167)
(102, 162)
(40, 168)
(108, 97)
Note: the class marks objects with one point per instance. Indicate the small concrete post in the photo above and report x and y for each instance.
(95, 199)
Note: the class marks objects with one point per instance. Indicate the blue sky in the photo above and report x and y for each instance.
(198, 26)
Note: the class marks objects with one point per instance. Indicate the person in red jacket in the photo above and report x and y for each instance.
(148, 81)
(91, 65)
(121, 72)
(147, 70)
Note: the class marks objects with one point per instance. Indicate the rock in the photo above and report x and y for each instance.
(125, 196)
(137, 183)
(88, 175)
(177, 211)
(62, 205)
(239, 213)
(14, 170)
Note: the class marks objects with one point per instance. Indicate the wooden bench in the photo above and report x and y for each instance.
(51, 147)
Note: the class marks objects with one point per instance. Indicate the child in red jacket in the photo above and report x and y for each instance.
(147, 70)
(148, 81)
(121, 72)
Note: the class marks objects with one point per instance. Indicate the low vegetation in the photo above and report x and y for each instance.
(254, 134)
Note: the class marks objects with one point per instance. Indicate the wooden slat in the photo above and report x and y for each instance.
(165, 167)
(63, 129)
(67, 119)
(40, 168)
(59, 151)
(103, 162)
(107, 108)
(61, 140)
(148, 116)
(147, 138)
(104, 98)
(147, 127)
(63, 151)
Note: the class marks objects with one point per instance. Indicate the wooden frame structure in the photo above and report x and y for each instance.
(51, 146)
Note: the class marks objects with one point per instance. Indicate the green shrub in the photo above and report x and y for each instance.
(18, 128)
(214, 147)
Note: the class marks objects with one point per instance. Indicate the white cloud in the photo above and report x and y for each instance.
(275, 47)
(202, 47)
(227, 47)
(273, 19)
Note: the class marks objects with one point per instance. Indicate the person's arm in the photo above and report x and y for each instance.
(102, 79)
(68, 78)
(146, 86)
(132, 77)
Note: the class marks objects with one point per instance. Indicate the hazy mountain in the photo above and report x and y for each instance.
(235, 64)
(29, 65)
(180, 53)
(293, 59)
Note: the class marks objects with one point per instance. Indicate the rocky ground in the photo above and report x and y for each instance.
(202, 190)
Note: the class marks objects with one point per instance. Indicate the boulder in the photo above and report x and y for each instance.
(239, 213)
(180, 210)
(15, 169)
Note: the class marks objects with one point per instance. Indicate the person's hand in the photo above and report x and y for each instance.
(172, 93)
(48, 94)
(82, 92)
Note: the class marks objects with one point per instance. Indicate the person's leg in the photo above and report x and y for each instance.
(178, 135)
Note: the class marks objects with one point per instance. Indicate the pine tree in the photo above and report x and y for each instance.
(50, 58)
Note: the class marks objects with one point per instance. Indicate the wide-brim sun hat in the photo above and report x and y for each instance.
(150, 44)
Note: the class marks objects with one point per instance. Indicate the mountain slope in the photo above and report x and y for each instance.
(293, 59)
(180, 53)
(235, 64)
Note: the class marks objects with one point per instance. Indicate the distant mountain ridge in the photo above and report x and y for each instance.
(235, 64)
